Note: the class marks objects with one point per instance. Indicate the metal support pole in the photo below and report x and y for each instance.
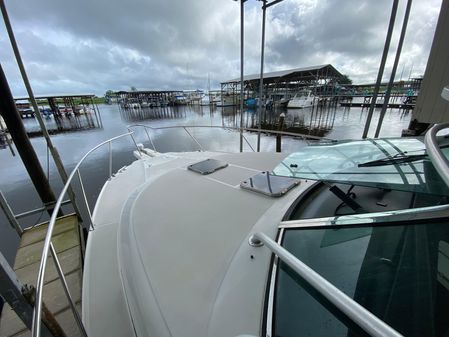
(395, 67)
(53, 151)
(10, 214)
(23, 144)
(242, 82)
(262, 54)
(11, 290)
(381, 68)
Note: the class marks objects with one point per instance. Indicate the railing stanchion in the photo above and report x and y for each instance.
(150, 139)
(110, 160)
(247, 142)
(196, 141)
(67, 291)
(85, 198)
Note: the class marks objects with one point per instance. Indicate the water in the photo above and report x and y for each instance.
(336, 123)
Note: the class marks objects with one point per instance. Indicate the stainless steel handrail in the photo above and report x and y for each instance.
(437, 157)
(357, 313)
(185, 127)
(37, 313)
(276, 132)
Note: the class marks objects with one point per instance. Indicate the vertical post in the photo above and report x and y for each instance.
(110, 160)
(279, 136)
(23, 144)
(393, 71)
(54, 152)
(262, 53)
(242, 6)
(381, 68)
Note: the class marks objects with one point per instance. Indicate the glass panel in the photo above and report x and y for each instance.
(399, 273)
(339, 162)
(268, 184)
(207, 166)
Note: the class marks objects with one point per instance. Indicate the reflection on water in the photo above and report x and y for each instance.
(141, 114)
(63, 123)
(331, 122)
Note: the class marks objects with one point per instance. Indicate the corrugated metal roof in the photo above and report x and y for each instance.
(285, 73)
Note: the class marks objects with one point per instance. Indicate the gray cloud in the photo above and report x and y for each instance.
(92, 46)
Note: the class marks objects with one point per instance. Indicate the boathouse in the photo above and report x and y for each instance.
(324, 79)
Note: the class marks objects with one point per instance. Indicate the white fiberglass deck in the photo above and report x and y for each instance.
(175, 242)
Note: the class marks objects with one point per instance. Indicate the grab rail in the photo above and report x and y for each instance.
(185, 127)
(357, 313)
(48, 246)
(437, 157)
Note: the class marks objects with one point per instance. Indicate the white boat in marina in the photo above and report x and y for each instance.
(194, 96)
(302, 99)
(206, 100)
(338, 238)
(182, 243)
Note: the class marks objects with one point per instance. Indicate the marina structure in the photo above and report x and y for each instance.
(62, 113)
(322, 80)
(339, 238)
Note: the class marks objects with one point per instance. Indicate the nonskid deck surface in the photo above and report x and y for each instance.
(157, 199)
(66, 240)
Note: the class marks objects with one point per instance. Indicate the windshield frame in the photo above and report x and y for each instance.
(406, 217)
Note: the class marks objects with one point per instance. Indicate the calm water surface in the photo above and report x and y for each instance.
(335, 123)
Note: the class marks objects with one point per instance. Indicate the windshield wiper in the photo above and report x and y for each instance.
(396, 159)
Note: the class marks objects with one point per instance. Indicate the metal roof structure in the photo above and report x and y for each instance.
(292, 75)
(56, 96)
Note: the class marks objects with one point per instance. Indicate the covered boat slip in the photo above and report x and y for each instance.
(67, 243)
(172, 261)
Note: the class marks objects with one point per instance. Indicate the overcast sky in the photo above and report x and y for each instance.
(90, 46)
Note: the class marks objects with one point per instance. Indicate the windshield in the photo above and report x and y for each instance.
(398, 272)
(342, 162)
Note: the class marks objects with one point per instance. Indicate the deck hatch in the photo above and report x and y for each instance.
(269, 184)
(207, 166)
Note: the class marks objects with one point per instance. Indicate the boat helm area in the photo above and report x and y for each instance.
(394, 263)
(379, 234)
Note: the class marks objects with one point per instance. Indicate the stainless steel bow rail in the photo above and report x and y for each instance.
(357, 313)
(201, 148)
(48, 246)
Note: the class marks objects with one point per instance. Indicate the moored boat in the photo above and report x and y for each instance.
(335, 238)
(302, 99)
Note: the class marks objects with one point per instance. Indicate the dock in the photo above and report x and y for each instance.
(68, 245)
(62, 113)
